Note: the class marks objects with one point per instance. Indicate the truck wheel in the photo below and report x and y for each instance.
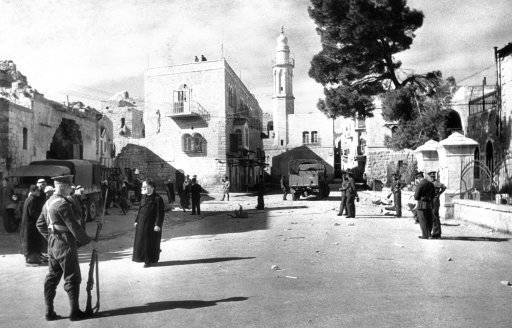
(296, 196)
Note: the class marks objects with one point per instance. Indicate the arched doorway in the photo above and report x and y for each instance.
(453, 123)
(67, 141)
(489, 155)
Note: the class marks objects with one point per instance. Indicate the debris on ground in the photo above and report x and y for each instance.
(506, 283)
(351, 224)
(275, 267)
(336, 243)
(450, 259)
(293, 223)
(336, 224)
(290, 277)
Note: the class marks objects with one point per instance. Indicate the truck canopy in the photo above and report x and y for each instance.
(81, 169)
(46, 171)
(297, 165)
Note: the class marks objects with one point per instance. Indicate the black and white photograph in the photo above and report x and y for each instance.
(243, 163)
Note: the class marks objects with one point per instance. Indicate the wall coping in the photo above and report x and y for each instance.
(486, 205)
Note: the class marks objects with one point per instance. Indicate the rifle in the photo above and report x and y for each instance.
(93, 268)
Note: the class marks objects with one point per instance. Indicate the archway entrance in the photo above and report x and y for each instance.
(67, 141)
(489, 155)
(453, 123)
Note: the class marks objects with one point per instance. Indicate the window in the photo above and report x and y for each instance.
(305, 137)
(314, 137)
(195, 144)
(25, 138)
(179, 99)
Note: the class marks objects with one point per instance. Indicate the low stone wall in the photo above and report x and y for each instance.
(489, 215)
(380, 165)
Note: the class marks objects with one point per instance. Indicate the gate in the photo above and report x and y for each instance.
(477, 181)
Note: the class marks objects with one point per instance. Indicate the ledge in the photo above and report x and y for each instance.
(483, 205)
(488, 215)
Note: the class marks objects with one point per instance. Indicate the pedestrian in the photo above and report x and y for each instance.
(123, 197)
(32, 243)
(225, 187)
(171, 197)
(148, 226)
(424, 195)
(104, 196)
(61, 228)
(185, 194)
(436, 221)
(261, 195)
(195, 193)
(351, 195)
(396, 191)
(41, 185)
(343, 189)
(48, 191)
(285, 188)
(77, 198)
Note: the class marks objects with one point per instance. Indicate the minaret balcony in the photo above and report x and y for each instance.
(286, 62)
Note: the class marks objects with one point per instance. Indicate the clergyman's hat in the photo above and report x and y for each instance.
(432, 173)
(41, 180)
(63, 179)
(419, 174)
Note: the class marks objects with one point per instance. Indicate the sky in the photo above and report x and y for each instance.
(90, 49)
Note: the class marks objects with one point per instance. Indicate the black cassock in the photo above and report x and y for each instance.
(32, 242)
(146, 247)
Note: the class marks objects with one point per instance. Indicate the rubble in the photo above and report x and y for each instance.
(506, 283)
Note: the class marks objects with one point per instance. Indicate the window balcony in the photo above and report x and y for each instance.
(188, 110)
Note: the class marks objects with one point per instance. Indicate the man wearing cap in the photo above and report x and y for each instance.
(33, 244)
(78, 200)
(396, 190)
(60, 225)
(439, 189)
(351, 196)
(424, 195)
(343, 189)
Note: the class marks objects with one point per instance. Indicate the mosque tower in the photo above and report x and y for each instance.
(283, 99)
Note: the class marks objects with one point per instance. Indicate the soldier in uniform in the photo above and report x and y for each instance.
(424, 195)
(439, 189)
(351, 195)
(343, 189)
(60, 225)
(396, 190)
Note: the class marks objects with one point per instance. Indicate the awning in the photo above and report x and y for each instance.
(40, 171)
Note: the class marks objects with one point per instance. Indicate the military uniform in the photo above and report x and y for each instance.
(436, 224)
(351, 195)
(396, 189)
(60, 225)
(343, 203)
(424, 195)
(284, 187)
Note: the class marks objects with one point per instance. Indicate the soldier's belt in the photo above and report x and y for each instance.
(58, 228)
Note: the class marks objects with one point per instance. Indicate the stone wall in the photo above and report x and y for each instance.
(489, 215)
(381, 165)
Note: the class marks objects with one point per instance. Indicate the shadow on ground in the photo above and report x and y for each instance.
(200, 261)
(471, 238)
(164, 306)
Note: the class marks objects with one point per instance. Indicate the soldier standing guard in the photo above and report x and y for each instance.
(343, 189)
(351, 195)
(59, 224)
(424, 195)
(439, 189)
(284, 186)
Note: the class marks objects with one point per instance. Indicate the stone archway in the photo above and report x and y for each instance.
(453, 123)
(67, 141)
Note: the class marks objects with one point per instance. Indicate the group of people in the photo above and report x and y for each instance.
(348, 196)
(190, 192)
(427, 194)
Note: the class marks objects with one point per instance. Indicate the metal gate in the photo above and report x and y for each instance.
(477, 181)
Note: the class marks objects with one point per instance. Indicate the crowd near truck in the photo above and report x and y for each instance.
(307, 177)
(87, 174)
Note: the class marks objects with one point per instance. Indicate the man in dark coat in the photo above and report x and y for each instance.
(170, 191)
(424, 195)
(261, 194)
(185, 194)
(436, 222)
(195, 194)
(148, 226)
(343, 189)
(32, 243)
(123, 197)
(285, 188)
(351, 194)
(60, 226)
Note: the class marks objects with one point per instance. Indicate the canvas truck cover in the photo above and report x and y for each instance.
(46, 171)
(297, 165)
(81, 169)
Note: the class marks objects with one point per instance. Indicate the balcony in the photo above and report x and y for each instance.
(188, 109)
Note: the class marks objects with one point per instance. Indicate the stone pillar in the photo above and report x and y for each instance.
(454, 152)
(427, 157)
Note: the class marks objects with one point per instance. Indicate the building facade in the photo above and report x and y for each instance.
(35, 128)
(200, 119)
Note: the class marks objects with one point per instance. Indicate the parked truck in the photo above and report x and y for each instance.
(88, 174)
(307, 177)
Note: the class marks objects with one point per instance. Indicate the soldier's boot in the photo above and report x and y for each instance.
(75, 314)
(50, 315)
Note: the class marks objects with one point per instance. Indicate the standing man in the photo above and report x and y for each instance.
(396, 190)
(148, 226)
(284, 186)
(343, 189)
(32, 242)
(195, 193)
(261, 194)
(439, 189)
(351, 195)
(61, 228)
(185, 194)
(225, 187)
(170, 191)
(424, 195)
(48, 191)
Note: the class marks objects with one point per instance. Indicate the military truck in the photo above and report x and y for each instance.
(307, 177)
(88, 174)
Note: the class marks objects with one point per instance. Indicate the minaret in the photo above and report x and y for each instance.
(283, 94)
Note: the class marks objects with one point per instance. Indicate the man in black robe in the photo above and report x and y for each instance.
(170, 191)
(32, 243)
(424, 195)
(185, 194)
(148, 226)
(195, 195)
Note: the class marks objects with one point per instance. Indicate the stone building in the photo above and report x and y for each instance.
(35, 128)
(127, 116)
(200, 119)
